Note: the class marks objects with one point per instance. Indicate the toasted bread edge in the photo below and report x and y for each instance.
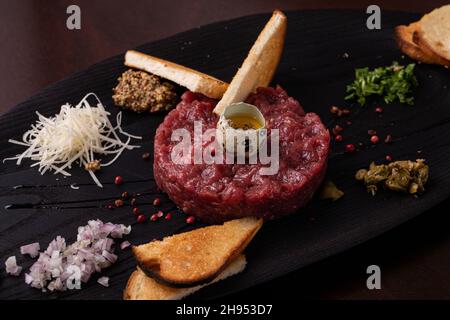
(429, 50)
(273, 33)
(152, 269)
(411, 41)
(135, 282)
(197, 82)
(436, 22)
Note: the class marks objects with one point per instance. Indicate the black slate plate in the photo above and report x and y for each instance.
(312, 70)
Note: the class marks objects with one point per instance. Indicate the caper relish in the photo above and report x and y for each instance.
(403, 176)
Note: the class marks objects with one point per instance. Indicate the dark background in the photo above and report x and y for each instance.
(38, 50)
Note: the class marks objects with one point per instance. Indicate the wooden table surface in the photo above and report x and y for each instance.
(38, 49)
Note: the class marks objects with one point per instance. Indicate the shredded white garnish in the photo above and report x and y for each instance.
(75, 134)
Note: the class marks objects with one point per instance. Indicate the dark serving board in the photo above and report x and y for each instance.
(312, 70)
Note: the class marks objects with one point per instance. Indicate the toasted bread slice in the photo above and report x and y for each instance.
(186, 77)
(428, 51)
(260, 64)
(196, 257)
(434, 32)
(405, 36)
(142, 287)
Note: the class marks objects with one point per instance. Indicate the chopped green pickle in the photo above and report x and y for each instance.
(403, 176)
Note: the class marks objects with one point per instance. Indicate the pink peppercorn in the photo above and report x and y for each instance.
(190, 220)
(118, 180)
(350, 148)
(374, 139)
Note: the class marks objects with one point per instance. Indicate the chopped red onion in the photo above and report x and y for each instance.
(104, 281)
(31, 249)
(124, 245)
(28, 278)
(109, 256)
(11, 266)
(63, 267)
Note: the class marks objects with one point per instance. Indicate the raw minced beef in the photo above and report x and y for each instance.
(219, 192)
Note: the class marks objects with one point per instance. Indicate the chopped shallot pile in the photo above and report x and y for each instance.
(61, 267)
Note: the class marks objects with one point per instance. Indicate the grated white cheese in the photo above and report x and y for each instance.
(75, 134)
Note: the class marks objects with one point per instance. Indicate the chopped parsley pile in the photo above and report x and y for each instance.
(395, 82)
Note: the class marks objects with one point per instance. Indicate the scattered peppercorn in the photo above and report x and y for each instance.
(337, 129)
(349, 123)
(136, 211)
(119, 203)
(157, 202)
(371, 132)
(154, 217)
(350, 148)
(374, 139)
(345, 112)
(110, 206)
(159, 214)
(338, 138)
(334, 109)
(388, 158)
(133, 201)
(379, 110)
(141, 218)
(190, 220)
(125, 195)
(339, 112)
(118, 180)
(146, 156)
(168, 216)
(388, 139)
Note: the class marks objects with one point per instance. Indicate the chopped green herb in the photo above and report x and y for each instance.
(395, 82)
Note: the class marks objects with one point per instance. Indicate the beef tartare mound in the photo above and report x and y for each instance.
(218, 192)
